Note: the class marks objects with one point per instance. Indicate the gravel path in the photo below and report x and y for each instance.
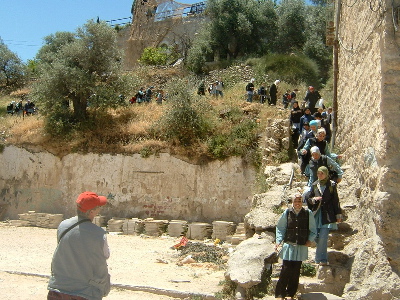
(147, 263)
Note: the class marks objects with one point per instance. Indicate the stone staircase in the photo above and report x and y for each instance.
(263, 217)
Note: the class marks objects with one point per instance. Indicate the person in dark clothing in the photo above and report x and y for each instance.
(306, 117)
(273, 91)
(323, 200)
(201, 89)
(29, 107)
(149, 94)
(295, 116)
(250, 90)
(286, 99)
(317, 160)
(319, 141)
(263, 93)
(311, 99)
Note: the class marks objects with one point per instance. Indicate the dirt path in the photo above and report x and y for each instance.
(135, 261)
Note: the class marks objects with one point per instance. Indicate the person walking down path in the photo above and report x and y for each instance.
(296, 230)
(79, 268)
(273, 91)
(312, 97)
(323, 200)
(250, 90)
(219, 87)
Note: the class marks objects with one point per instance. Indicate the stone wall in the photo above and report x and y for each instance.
(162, 187)
(369, 135)
(144, 32)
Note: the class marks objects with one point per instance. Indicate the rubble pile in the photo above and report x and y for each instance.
(202, 253)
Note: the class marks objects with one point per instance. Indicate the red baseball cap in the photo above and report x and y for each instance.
(89, 200)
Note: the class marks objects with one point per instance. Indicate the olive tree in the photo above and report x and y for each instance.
(82, 69)
(315, 46)
(291, 26)
(237, 28)
(12, 69)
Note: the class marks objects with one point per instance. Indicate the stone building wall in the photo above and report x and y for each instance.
(145, 32)
(161, 187)
(369, 135)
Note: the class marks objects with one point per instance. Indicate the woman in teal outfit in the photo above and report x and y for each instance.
(323, 200)
(295, 230)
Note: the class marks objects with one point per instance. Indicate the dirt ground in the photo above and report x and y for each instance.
(145, 263)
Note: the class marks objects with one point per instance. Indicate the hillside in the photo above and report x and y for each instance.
(128, 129)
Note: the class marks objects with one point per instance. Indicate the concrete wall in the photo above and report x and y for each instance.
(162, 187)
(369, 135)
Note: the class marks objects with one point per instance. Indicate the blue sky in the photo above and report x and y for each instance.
(24, 23)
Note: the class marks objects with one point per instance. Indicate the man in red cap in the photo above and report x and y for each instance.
(79, 268)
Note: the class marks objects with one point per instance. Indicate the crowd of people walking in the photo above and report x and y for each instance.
(20, 109)
(317, 210)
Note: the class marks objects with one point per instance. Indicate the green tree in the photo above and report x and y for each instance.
(53, 43)
(240, 27)
(12, 69)
(315, 47)
(200, 51)
(84, 70)
(291, 26)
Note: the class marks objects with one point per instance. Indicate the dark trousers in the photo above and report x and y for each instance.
(52, 295)
(288, 279)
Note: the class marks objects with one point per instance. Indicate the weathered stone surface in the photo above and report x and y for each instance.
(319, 296)
(246, 263)
(371, 146)
(276, 139)
(263, 214)
(161, 187)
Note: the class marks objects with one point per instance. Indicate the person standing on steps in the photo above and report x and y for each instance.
(79, 269)
(296, 231)
(323, 201)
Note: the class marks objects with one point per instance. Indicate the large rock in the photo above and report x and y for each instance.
(247, 263)
(266, 208)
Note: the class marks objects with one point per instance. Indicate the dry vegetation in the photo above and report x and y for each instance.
(126, 129)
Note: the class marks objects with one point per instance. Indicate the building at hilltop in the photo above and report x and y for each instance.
(160, 22)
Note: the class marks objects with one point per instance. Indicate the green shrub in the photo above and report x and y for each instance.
(154, 56)
(290, 68)
(308, 270)
(145, 152)
(184, 122)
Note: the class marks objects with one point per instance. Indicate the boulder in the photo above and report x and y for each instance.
(247, 263)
